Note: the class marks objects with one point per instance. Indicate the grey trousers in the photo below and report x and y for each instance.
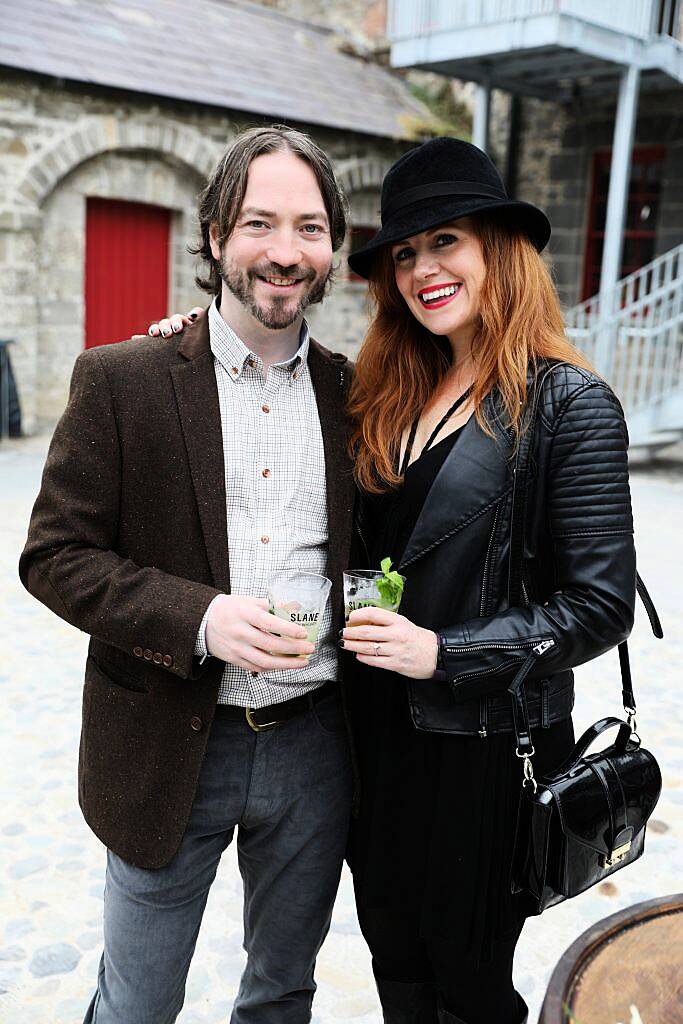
(288, 792)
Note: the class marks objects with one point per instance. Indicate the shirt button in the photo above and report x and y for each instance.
(295, 375)
(251, 362)
(253, 674)
(265, 408)
(234, 371)
(265, 472)
(265, 540)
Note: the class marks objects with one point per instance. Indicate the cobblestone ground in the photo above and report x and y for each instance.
(51, 879)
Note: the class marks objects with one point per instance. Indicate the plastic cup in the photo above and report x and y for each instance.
(361, 591)
(299, 597)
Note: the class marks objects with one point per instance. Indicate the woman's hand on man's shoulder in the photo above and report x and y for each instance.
(174, 324)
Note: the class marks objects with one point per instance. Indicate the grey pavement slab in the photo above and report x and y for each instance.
(52, 867)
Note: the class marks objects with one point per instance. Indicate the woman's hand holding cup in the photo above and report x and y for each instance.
(390, 641)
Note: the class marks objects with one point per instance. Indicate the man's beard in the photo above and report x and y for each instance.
(277, 314)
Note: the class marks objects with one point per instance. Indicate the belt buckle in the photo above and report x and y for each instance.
(255, 725)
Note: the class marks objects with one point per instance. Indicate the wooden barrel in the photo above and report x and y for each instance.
(626, 969)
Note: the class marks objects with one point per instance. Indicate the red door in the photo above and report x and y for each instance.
(641, 215)
(126, 269)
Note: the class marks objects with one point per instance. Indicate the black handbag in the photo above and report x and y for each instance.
(586, 820)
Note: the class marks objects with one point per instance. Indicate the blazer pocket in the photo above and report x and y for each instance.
(115, 677)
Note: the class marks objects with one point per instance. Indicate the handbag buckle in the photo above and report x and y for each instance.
(632, 724)
(528, 768)
(615, 856)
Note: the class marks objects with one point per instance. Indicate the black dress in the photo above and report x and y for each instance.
(431, 846)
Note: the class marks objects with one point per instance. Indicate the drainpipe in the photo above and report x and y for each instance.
(620, 170)
(514, 133)
(480, 120)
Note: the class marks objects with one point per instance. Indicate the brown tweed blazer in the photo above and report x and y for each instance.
(128, 542)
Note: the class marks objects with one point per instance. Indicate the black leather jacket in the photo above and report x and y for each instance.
(579, 561)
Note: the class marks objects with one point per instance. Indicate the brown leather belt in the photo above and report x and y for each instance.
(260, 719)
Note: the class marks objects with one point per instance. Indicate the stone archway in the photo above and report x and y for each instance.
(361, 173)
(48, 330)
(90, 138)
(131, 175)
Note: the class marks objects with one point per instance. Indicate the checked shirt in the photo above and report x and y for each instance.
(276, 497)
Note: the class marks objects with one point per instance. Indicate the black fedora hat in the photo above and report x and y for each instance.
(438, 182)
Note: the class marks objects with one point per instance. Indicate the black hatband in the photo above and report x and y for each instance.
(439, 190)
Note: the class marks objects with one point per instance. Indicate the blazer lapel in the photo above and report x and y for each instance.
(330, 376)
(194, 382)
(475, 475)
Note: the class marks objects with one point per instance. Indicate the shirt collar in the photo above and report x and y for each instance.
(234, 355)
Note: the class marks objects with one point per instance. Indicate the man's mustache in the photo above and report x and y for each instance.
(291, 273)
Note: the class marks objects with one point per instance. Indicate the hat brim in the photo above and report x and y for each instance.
(423, 216)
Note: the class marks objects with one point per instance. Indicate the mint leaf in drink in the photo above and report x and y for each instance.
(390, 585)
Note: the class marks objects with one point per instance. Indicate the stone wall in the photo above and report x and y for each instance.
(59, 145)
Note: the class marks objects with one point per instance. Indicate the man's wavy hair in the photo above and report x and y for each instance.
(221, 199)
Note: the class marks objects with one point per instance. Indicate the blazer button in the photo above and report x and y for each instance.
(147, 654)
(167, 660)
(137, 651)
(158, 658)
(196, 723)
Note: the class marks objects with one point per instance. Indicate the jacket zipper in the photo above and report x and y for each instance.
(539, 645)
(545, 701)
(483, 717)
(487, 563)
(538, 649)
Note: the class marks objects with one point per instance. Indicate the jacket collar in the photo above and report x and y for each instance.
(475, 475)
(195, 341)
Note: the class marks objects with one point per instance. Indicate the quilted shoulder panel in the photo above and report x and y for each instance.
(561, 384)
(589, 491)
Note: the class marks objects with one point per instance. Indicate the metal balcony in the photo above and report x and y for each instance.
(544, 48)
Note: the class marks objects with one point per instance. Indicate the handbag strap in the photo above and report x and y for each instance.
(518, 598)
(588, 738)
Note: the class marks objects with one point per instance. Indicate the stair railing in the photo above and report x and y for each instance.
(638, 344)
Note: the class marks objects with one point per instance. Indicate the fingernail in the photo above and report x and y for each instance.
(340, 633)
(165, 333)
(341, 643)
(193, 316)
(175, 328)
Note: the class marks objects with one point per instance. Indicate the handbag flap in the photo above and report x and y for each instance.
(608, 797)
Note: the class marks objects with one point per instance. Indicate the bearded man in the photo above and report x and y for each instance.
(180, 479)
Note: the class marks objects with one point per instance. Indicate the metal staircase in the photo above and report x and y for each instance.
(634, 338)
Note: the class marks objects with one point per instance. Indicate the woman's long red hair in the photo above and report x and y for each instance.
(401, 364)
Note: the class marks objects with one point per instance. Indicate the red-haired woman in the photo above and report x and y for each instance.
(467, 324)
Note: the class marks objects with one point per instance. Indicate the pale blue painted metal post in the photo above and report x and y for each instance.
(480, 121)
(622, 146)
